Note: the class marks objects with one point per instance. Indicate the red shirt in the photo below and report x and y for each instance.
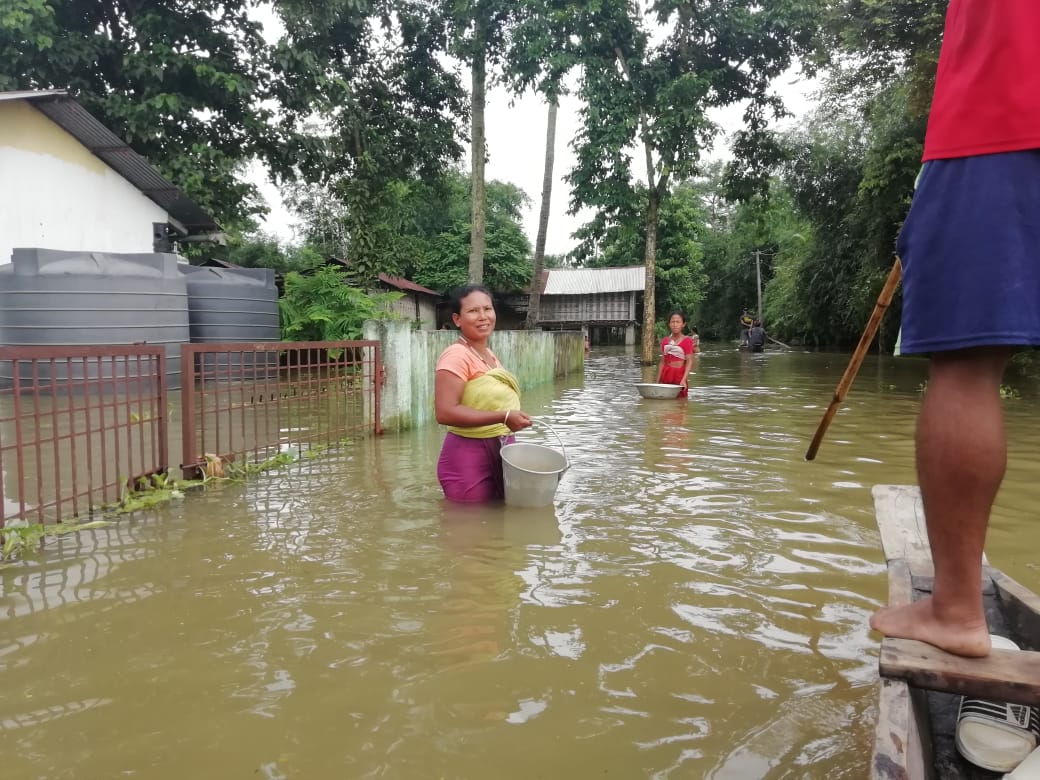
(987, 88)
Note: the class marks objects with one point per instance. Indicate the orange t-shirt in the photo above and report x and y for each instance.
(464, 363)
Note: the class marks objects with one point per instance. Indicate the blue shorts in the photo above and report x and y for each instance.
(970, 249)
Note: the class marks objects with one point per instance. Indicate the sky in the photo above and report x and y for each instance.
(515, 130)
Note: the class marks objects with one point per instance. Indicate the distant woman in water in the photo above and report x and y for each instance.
(676, 355)
(478, 400)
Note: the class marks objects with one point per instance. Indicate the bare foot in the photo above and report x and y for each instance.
(919, 621)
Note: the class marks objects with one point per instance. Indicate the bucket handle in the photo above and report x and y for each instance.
(566, 460)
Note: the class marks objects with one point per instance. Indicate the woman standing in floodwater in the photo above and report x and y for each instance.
(676, 355)
(478, 400)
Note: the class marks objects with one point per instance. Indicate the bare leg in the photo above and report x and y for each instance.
(961, 457)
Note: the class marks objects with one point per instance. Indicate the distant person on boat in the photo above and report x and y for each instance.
(757, 336)
(676, 355)
(478, 400)
(970, 248)
(746, 321)
(696, 338)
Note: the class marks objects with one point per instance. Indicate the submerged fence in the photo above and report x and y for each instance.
(77, 426)
(80, 426)
(254, 401)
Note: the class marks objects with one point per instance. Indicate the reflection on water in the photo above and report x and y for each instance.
(693, 605)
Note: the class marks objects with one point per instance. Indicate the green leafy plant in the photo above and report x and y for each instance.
(321, 306)
(20, 540)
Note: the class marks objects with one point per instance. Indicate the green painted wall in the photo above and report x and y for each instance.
(410, 356)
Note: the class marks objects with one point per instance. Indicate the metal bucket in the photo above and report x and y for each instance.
(532, 471)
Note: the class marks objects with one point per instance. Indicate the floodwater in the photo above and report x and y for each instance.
(694, 605)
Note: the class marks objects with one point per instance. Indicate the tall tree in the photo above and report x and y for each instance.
(656, 95)
(479, 32)
(382, 109)
(534, 299)
(542, 50)
(443, 260)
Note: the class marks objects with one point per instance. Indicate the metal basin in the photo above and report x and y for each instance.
(654, 390)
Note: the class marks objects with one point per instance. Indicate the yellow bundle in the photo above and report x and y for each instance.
(495, 391)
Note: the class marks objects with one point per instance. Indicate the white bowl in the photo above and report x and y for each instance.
(654, 390)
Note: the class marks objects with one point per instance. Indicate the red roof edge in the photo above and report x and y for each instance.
(404, 284)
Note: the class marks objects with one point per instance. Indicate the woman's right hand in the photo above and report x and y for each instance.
(517, 420)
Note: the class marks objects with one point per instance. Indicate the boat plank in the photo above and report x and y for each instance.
(901, 740)
(1021, 609)
(1004, 675)
(916, 730)
(900, 519)
(900, 736)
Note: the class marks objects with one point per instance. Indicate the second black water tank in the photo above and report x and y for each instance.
(233, 305)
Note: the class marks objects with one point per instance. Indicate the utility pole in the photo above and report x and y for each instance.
(758, 275)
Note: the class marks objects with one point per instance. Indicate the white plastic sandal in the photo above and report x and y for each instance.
(1028, 769)
(995, 735)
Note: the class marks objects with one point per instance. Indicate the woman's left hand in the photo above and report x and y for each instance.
(518, 420)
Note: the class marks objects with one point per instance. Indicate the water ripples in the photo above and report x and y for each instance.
(693, 605)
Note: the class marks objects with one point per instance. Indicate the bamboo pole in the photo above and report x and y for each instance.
(884, 299)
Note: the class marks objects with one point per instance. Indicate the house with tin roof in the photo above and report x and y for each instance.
(605, 303)
(70, 183)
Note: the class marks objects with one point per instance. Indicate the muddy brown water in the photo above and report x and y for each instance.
(694, 604)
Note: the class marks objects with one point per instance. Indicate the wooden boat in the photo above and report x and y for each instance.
(921, 685)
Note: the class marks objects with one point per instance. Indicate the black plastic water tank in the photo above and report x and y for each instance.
(60, 298)
(233, 305)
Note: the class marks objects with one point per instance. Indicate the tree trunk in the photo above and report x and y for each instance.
(534, 301)
(649, 299)
(478, 219)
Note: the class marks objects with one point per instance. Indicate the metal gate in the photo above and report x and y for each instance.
(246, 403)
(78, 427)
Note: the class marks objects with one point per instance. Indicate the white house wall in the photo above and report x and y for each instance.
(55, 194)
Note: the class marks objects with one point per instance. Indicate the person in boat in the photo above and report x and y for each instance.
(757, 336)
(478, 400)
(676, 355)
(746, 321)
(970, 248)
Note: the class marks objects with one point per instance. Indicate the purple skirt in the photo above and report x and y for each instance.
(470, 470)
(970, 249)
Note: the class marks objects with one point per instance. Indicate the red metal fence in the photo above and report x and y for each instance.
(248, 402)
(78, 425)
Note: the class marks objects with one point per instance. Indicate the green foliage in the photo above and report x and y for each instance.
(150, 492)
(649, 82)
(850, 171)
(19, 540)
(765, 233)
(353, 92)
(680, 282)
(389, 112)
(1008, 392)
(238, 472)
(320, 306)
(424, 230)
(259, 250)
(886, 40)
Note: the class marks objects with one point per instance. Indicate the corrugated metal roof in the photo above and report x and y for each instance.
(66, 112)
(586, 281)
(26, 94)
(404, 284)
